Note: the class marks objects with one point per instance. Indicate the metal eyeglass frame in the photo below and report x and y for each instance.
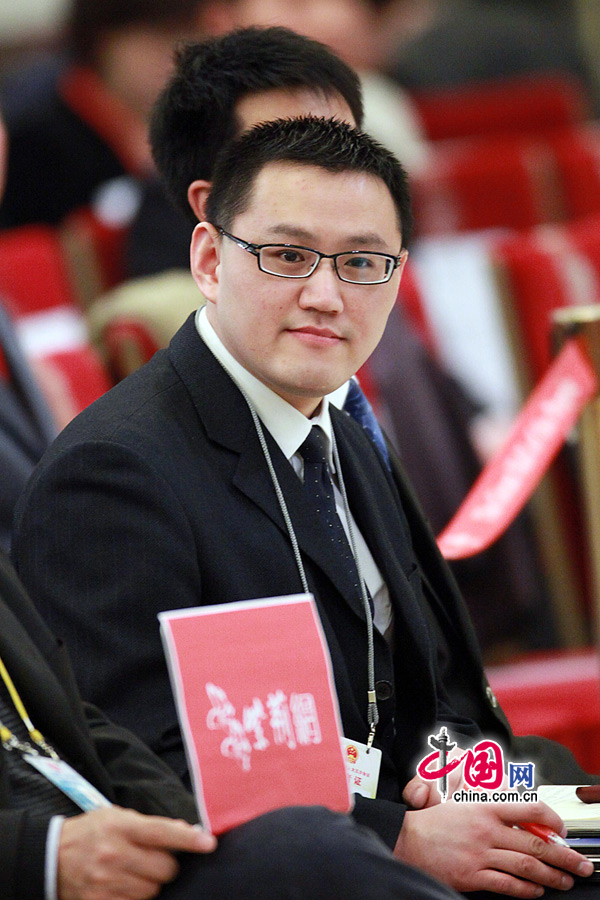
(255, 249)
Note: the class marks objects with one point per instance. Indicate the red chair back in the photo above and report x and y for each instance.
(486, 183)
(537, 104)
(35, 285)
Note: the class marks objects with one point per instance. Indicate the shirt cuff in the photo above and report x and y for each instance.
(52, 844)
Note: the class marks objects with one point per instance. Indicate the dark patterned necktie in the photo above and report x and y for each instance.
(357, 406)
(318, 489)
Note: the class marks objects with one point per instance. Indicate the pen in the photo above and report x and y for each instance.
(543, 831)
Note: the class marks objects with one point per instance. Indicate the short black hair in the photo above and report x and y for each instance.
(309, 140)
(194, 116)
(89, 20)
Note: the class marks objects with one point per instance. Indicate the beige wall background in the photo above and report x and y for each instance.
(24, 19)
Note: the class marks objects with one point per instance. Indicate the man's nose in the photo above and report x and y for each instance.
(323, 289)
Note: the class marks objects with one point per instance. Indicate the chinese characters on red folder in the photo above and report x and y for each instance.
(257, 707)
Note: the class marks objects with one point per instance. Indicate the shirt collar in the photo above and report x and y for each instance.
(287, 425)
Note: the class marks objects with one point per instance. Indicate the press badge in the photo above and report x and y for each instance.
(362, 768)
(70, 782)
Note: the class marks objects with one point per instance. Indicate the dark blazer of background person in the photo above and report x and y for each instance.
(56, 160)
(26, 425)
(115, 761)
(167, 483)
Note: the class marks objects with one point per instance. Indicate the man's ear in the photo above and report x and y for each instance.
(404, 255)
(197, 193)
(205, 256)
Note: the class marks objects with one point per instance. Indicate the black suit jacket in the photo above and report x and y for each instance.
(110, 757)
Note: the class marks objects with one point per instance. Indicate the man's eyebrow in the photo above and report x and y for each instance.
(365, 240)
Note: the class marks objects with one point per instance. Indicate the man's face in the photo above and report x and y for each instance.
(346, 26)
(301, 337)
(277, 103)
(283, 103)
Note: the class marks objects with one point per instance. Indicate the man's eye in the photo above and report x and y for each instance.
(290, 256)
(359, 262)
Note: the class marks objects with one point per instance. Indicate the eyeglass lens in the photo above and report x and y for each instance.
(295, 262)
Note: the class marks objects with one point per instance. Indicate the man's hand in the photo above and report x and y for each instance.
(421, 794)
(472, 846)
(118, 854)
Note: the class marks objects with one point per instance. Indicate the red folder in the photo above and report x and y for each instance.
(257, 706)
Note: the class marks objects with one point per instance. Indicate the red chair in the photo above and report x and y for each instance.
(33, 271)
(483, 183)
(4, 372)
(576, 155)
(544, 270)
(556, 696)
(99, 245)
(537, 104)
(128, 343)
(36, 288)
(411, 299)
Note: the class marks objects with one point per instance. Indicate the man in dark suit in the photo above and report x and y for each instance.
(251, 75)
(181, 486)
(118, 854)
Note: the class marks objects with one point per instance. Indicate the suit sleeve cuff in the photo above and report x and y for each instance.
(384, 817)
(51, 868)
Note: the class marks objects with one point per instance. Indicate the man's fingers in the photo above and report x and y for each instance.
(416, 794)
(529, 868)
(531, 847)
(170, 834)
(513, 813)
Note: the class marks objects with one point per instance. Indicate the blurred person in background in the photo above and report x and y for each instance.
(26, 423)
(84, 124)
(446, 43)
(350, 29)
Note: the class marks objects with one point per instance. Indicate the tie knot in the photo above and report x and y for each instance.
(314, 448)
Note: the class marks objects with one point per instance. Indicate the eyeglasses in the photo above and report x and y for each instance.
(290, 261)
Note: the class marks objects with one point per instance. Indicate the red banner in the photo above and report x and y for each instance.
(509, 480)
